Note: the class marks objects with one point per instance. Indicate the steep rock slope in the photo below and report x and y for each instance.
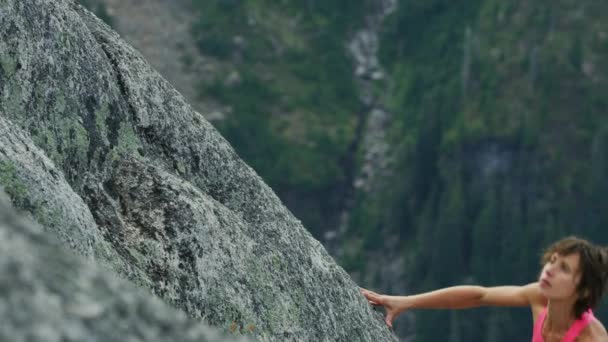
(174, 208)
(52, 295)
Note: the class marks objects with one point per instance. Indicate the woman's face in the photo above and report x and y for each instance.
(560, 276)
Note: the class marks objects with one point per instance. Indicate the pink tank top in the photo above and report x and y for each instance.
(572, 333)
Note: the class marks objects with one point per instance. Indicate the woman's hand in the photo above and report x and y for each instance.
(391, 304)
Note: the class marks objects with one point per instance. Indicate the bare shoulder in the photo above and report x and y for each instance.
(534, 294)
(536, 299)
(594, 332)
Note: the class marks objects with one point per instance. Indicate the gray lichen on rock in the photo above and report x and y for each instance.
(36, 186)
(50, 295)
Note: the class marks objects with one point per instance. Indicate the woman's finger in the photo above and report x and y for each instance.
(373, 296)
(389, 319)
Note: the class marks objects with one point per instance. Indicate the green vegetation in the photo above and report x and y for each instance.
(7, 65)
(128, 142)
(12, 184)
(18, 193)
(500, 133)
(294, 103)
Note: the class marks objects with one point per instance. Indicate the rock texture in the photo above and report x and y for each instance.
(134, 178)
(50, 295)
(161, 31)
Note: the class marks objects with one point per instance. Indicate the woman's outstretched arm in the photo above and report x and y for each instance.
(456, 297)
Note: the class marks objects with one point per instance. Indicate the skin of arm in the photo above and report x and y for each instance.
(460, 297)
(595, 332)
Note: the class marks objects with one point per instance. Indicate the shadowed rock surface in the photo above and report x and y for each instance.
(50, 295)
(105, 154)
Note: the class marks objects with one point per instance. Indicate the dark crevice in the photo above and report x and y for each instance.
(89, 124)
(107, 221)
(113, 123)
(122, 85)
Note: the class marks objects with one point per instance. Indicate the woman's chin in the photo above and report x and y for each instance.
(545, 290)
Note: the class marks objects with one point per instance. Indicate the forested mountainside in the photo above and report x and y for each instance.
(496, 134)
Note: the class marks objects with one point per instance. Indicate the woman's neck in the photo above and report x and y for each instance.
(560, 316)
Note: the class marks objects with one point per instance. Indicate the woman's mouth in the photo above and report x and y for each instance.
(544, 283)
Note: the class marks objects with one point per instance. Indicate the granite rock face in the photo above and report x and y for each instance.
(52, 295)
(108, 157)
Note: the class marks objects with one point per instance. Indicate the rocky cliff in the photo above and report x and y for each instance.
(50, 294)
(109, 157)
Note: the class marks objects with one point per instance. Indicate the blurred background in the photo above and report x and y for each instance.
(425, 143)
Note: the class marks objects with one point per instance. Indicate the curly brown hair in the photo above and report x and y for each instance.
(593, 269)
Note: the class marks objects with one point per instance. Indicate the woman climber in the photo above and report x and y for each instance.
(572, 281)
